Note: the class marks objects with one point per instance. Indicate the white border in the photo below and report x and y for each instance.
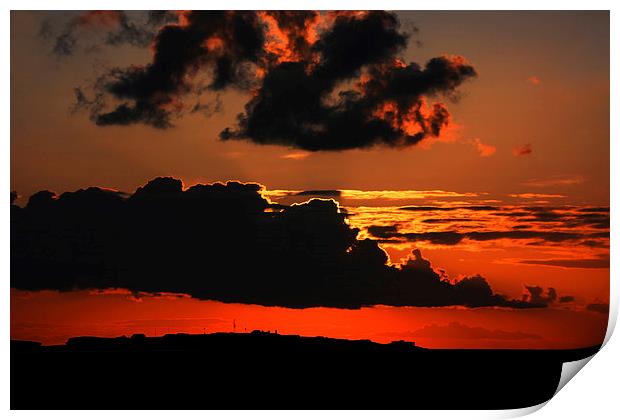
(593, 394)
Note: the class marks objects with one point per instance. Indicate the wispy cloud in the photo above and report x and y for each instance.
(403, 194)
(554, 181)
(571, 263)
(374, 194)
(534, 80)
(296, 155)
(535, 195)
(484, 150)
(523, 150)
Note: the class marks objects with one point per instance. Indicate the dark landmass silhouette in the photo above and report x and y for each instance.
(262, 370)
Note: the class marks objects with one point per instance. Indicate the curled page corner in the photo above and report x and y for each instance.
(569, 370)
(518, 412)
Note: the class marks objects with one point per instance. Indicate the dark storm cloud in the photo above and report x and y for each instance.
(225, 42)
(222, 242)
(375, 116)
(456, 330)
(330, 81)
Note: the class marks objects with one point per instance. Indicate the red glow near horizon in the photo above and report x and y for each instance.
(53, 317)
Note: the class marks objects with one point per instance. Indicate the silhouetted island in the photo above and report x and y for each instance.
(267, 370)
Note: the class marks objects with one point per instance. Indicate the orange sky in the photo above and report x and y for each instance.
(564, 118)
(531, 131)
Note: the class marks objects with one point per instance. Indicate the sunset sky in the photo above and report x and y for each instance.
(515, 187)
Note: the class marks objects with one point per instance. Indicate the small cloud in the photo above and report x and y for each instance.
(554, 181)
(535, 195)
(296, 155)
(484, 150)
(534, 80)
(523, 150)
(537, 295)
(451, 133)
